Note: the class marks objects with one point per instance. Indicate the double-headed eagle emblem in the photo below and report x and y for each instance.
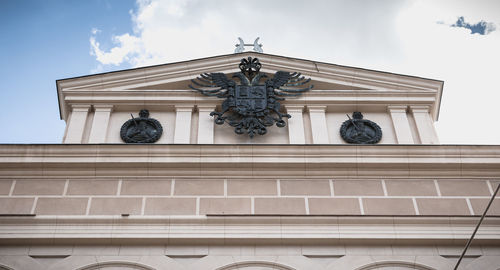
(251, 106)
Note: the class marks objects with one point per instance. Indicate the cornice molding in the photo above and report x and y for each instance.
(227, 62)
(291, 161)
(122, 81)
(318, 229)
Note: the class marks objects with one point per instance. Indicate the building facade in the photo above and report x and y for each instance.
(203, 197)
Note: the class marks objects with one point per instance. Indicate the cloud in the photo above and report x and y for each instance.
(167, 31)
(482, 27)
(127, 48)
(95, 31)
(395, 36)
(466, 63)
(98, 69)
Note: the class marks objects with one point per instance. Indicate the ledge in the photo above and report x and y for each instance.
(112, 229)
(294, 161)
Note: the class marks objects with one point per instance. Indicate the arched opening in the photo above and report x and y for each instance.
(116, 265)
(392, 265)
(255, 265)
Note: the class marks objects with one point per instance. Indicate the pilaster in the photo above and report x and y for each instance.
(296, 124)
(76, 124)
(205, 124)
(401, 124)
(425, 126)
(100, 123)
(318, 124)
(182, 133)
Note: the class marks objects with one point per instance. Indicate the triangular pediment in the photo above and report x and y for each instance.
(177, 76)
(184, 84)
(328, 80)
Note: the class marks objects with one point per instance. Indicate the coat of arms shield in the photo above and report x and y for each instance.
(250, 99)
(251, 107)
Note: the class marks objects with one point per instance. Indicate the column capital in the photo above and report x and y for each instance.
(102, 107)
(316, 108)
(397, 108)
(294, 108)
(184, 108)
(80, 107)
(420, 108)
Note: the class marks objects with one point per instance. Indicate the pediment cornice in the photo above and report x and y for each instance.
(169, 82)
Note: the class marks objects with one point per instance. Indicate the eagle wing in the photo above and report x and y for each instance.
(282, 80)
(212, 84)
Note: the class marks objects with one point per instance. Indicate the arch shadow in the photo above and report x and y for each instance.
(263, 264)
(121, 264)
(403, 264)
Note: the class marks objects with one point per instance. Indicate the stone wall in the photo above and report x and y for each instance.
(183, 196)
(248, 207)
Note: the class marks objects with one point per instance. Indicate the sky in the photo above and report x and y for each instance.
(451, 40)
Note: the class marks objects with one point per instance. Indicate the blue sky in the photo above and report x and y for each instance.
(44, 41)
(48, 40)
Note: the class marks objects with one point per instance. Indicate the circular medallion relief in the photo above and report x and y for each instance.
(360, 131)
(141, 129)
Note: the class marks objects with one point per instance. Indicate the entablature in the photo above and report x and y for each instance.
(291, 161)
(273, 229)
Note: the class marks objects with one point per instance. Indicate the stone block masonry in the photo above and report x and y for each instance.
(182, 196)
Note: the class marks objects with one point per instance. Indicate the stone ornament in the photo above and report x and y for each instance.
(141, 129)
(240, 47)
(360, 131)
(251, 106)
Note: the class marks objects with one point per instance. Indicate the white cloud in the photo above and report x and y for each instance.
(467, 63)
(490, 27)
(179, 30)
(127, 47)
(95, 31)
(98, 69)
(396, 36)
